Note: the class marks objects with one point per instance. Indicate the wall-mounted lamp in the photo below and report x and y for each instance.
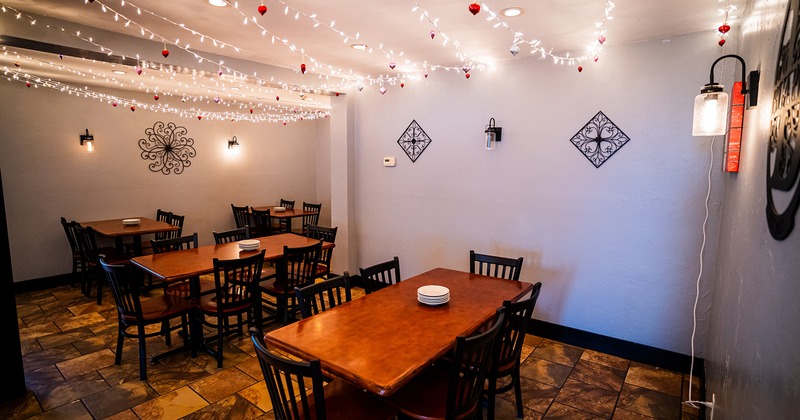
(493, 134)
(87, 140)
(711, 105)
(233, 143)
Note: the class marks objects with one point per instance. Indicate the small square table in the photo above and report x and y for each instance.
(114, 228)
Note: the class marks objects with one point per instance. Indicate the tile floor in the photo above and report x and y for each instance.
(68, 347)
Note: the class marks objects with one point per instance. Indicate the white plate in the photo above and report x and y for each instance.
(249, 242)
(433, 303)
(130, 222)
(433, 291)
(279, 208)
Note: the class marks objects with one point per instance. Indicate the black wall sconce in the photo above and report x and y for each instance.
(233, 143)
(88, 140)
(493, 134)
(711, 105)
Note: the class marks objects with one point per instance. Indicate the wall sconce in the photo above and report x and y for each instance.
(233, 143)
(711, 105)
(88, 140)
(493, 134)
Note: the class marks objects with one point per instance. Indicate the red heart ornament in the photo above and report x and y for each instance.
(133, 108)
(426, 75)
(474, 8)
(216, 99)
(155, 97)
(601, 39)
(28, 84)
(402, 85)
(596, 58)
(262, 9)
(114, 104)
(199, 117)
(337, 94)
(165, 52)
(724, 28)
(392, 65)
(721, 42)
(277, 98)
(580, 69)
(251, 110)
(219, 73)
(303, 68)
(382, 90)
(467, 75)
(433, 34)
(138, 70)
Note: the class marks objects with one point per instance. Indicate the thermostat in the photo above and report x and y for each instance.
(388, 161)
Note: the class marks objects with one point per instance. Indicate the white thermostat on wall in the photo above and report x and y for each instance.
(388, 161)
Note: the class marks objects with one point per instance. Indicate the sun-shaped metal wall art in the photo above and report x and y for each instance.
(169, 148)
(414, 141)
(599, 139)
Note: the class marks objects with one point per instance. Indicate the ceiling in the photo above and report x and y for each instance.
(406, 35)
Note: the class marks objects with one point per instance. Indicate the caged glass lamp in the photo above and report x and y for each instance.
(492, 134)
(711, 105)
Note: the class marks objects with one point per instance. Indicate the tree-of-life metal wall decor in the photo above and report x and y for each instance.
(783, 149)
(169, 148)
(414, 141)
(599, 139)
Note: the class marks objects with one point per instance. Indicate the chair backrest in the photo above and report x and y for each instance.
(69, 229)
(489, 265)
(126, 290)
(241, 215)
(326, 234)
(298, 266)
(286, 379)
(232, 235)
(471, 362)
(314, 218)
(176, 220)
(319, 297)
(262, 222)
(288, 204)
(174, 244)
(381, 275)
(166, 217)
(236, 281)
(513, 330)
(87, 246)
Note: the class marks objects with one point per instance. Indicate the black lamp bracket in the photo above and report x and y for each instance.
(749, 87)
(491, 128)
(86, 137)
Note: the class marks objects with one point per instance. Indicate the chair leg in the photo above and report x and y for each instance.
(491, 398)
(99, 291)
(120, 339)
(517, 390)
(219, 345)
(142, 354)
(166, 332)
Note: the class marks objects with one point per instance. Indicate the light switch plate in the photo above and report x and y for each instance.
(389, 161)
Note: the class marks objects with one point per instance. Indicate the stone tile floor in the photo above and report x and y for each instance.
(68, 345)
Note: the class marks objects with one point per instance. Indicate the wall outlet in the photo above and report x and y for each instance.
(389, 161)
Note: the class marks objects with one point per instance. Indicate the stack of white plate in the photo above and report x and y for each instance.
(279, 208)
(249, 244)
(433, 295)
(131, 222)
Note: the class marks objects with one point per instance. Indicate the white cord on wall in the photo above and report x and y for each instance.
(690, 402)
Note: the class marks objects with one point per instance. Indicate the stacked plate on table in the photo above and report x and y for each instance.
(131, 222)
(249, 244)
(433, 295)
(277, 209)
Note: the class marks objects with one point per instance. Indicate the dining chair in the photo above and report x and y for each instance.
(327, 294)
(133, 312)
(90, 255)
(286, 382)
(77, 262)
(311, 219)
(326, 234)
(235, 294)
(283, 224)
(506, 360)
(232, 235)
(262, 223)
(182, 288)
(490, 265)
(451, 391)
(175, 220)
(380, 275)
(241, 215)
(288, 204)
(296, 268)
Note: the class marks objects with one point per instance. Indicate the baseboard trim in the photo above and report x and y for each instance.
(43, 283)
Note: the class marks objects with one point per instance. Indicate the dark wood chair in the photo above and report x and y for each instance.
(166, 217)
(381, 275)
(133, 312)
(289, 204)
(175, 220)
(311, 219)
(283, 225)
(326, 234)
(506, 361)
(241, 215)
(332, 401)
(453, 390)
(297, 268)
(319, 297)
(77, 261)
(232, 235)
(262, 223)
(490, 265)
(235, 295)
(183, 288)
(90, 255)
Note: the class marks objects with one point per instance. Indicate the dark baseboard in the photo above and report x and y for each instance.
(43, 283)
(640, 353)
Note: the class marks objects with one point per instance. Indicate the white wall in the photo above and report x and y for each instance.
(616, 247)
(47, 174)
(752, 359)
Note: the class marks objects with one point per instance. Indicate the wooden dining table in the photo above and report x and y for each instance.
(115, 228)
(380, 341)
(286, 215)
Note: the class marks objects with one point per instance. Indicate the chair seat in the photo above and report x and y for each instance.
(425, 396)
(272, 287)
(344, 401)
(267, 272)
(208, 304)
(182, 289)
(322, 269)
(164, 306)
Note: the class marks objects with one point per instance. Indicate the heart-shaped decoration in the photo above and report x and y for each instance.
(466, 69)
(216, 99)
(601, 39)
(474, 8)
(28, 84)
(433, 34)
(17, 64)
(61, 56)
(155, 97)
(138, 70)
(514, 50)
(426, 75)
(580, 69)
(303, 68)
(724, 28)
(277, 98)
(596, 58)
(284, 123)
(219, 73)
(392, 65)
(467, 75)
(262, 9)
(251, 110)
(360, 87)
(165, 52)
(721, 42)
(402, 85)
(114, 104)
(133, 108)
(337, 94)
(382, 90)
(199, 117)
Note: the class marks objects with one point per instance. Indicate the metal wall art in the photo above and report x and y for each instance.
(169, 148)
(414, 141)
(783, 149)
(599, 139)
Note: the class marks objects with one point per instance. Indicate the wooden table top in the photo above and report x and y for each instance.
(115, 227)
(179, 265)
(380, 341)
(286, 214)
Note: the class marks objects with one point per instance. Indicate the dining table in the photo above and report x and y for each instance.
(286, 214)
(122, 228)
(382, 340)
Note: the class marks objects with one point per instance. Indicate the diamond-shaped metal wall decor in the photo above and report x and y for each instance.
(414, 141)
(599, 139)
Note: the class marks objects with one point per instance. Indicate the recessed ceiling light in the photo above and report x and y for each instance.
(218, 3)
(511, 11)
(118, 71)
(359, 47)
